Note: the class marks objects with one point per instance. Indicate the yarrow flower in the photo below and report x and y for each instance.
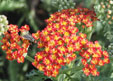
(59, 43)
(62, 38)
(93, 56)
(15, 46)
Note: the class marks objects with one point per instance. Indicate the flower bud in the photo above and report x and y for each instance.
(3, 24)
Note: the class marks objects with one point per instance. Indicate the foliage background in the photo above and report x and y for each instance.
(33, 13)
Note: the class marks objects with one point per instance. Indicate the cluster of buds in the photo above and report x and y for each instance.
(15, 46)
(104, 11)
(63, 4)
(3, 24)
(61, 39)
(110, 49)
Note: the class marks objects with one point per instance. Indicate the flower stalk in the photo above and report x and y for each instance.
(29, 58)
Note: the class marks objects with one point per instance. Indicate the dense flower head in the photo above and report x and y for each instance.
(15, 46)
(93, 56)
(59, 43)
(81, 17)
(62, 38)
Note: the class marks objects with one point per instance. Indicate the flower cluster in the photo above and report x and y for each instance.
(15, 46)
(61, 39)
(3, 24)
(63, 4)
(59, 43)
(58, 47)
(81, 17)
(93, 56)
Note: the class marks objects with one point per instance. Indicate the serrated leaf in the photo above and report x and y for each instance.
(77, 75)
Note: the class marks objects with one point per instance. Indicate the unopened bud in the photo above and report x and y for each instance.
(108, 6)
(109, 22)
(108, 16)
(111, 2)
(109, 11)
(103, 6)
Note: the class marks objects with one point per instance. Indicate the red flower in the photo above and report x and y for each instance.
(61, 38)
(86, 71)
(14, 45)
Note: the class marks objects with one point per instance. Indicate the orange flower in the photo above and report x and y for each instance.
(61, 38)
(86, 71)
(84, 62)
(94, 72)
(94, 61)
(14, 45)
(55, 73)
(41, 67)
(46, 61)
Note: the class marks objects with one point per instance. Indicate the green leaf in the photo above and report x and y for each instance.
(13, 70)
(61, 77)
(36, 75)
(98, 26)
(10, 5)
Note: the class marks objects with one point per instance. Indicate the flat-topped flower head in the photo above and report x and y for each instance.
(62, 37)
(15, 46)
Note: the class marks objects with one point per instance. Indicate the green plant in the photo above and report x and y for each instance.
(63, 50)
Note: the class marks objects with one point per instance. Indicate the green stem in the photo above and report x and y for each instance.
(68, 76)
(69, 69)
(21, 20)
(29, 58)
(89, 36)
(32, 20)
(53, 79)
(89, 31)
